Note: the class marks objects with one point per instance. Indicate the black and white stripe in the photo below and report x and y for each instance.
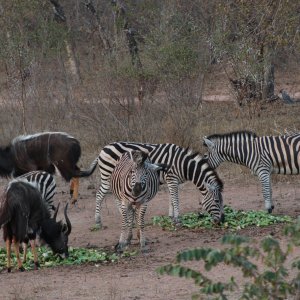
(184, 166)
(45, 183)
(134, 182)
(263, 155)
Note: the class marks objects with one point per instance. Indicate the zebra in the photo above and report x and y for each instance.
(185, 165)
(263, 155)
(134, 182)
(46, 185)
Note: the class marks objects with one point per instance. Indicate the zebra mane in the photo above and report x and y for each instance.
(250, 134)
(191, 154)
(219, 182)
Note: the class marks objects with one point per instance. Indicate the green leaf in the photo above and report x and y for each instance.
(77, 256)
(235, 220)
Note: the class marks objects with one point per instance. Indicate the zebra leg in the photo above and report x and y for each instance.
(174, 201)
(123, 237)
(102, 191)
(119, 205)
(265, 179)
(140, 214)
(130, 218)
(131, 212)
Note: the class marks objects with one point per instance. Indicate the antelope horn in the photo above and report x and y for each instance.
(56, 211)
(69, 226)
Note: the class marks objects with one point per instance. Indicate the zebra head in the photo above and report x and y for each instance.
(140, 171)
(213, 200)
(213, 157)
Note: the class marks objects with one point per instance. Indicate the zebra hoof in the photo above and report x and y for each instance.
(21, 269)
(176, 222)
(270, 210)
(119, 248)
(9, 270)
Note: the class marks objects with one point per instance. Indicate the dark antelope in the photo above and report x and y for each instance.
(23, 215)
(47, 151)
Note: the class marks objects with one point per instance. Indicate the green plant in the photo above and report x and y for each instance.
(270, 282)
(235, 220)
(77, 256)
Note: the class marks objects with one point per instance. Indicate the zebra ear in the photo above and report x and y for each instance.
(154, 167)
(144, 156)
(138, 156)
(208, 143)
(210, 187)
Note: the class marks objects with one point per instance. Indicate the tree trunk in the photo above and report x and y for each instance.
(269, 82)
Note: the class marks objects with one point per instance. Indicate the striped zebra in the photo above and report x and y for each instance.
(263, 155)
(45, 183)
(184, 166)
(134, 182)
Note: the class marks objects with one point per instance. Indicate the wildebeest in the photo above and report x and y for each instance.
(23, 215)
(47, 151)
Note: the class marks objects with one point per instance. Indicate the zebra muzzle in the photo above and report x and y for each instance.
(219, 220)
(137, 189)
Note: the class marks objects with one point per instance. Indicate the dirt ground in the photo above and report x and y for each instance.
(136, 278)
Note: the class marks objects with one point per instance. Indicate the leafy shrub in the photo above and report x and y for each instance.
(235, 220)
(270, 282)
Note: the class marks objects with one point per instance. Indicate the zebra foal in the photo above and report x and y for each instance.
(45, 183)
(134, 182)
(263, 155)
(185, 165)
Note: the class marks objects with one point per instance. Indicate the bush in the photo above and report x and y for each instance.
(270, 282)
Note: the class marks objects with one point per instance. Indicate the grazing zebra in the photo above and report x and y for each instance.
(134, 182)
(263, 155)
(45, 183)
(184, 165)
